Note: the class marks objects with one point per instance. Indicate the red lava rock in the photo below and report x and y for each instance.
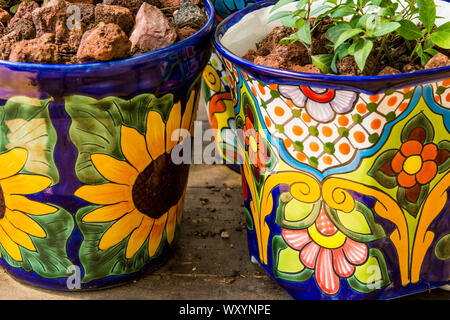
(273, 39)
(293, 53)
(7, 41)
(282, 56)
(319, 41)
(87, 12)
(24, 11)
(271, 60)
(133, 5)
(437, 61)
(25, 28)
(309, 68)
(185, 32)
(38, 50)
(68, 39)
(388, 70)
(4, 17)
(104, 43)
(348, 67)
(189, 15)
(114, 14)
(83, 1)
(47, 18)
(152, 30)
(169, 5)
(250, 55)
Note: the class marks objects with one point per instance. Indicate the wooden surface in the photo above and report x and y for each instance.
(204, 265)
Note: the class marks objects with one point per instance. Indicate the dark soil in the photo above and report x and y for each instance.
(80, 31)
(297, 57)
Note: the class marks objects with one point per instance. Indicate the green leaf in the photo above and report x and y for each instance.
(96, 126)
(343, 50)
(427, 14)
(323, 62)
(280, 4)
(304, 33)
(318, 10)
(289, 21)
(50, 260)
(26, 123)
(372, 275)
(442, 249)
(359, 224)
(334, 32)
(295, 214)
(279, 15)
(248, 220)
(333, 63)
(206, 91)
(441, 36)
(424, 58)
(418, 121)
(342, 12)
(413, 207)
(385, 178)
(367, 21)
(286, 262)
(344, 36)
(428, 44)
(99, 264)
(386, 28)
(444, 166)
(362, 51)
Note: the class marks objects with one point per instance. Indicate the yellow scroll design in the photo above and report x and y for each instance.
(432, 207)
(335, 194)
(302, 187)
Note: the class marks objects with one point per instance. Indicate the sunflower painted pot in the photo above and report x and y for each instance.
(216, 92)
(345, 179)
(90, 196)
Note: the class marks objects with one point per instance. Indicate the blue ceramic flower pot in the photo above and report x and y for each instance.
(90, 197)
(346, 179)
(216, 91)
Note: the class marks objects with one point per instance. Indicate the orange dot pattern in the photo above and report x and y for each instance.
(346, 132)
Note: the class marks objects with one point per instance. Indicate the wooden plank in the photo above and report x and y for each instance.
(204, 265)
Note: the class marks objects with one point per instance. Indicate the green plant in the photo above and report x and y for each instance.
(360, 28)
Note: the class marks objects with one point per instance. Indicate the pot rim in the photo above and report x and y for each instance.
(103, 66)
(365, 83)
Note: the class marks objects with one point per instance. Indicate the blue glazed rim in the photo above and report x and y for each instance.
(367, 84)
(95, 67)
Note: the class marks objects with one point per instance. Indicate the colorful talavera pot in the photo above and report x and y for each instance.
(90, 197)
(345, 179)
(216, 92)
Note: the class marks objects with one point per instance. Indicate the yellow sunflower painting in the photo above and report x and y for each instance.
(16, 226)
(144, 194)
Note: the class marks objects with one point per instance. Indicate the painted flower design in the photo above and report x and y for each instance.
(327, 251)
(257, 150)
(322, 105)
(16, 226)
(145, 193)
(414, 165)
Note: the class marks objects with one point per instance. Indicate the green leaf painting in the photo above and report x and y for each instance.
(96, 125)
